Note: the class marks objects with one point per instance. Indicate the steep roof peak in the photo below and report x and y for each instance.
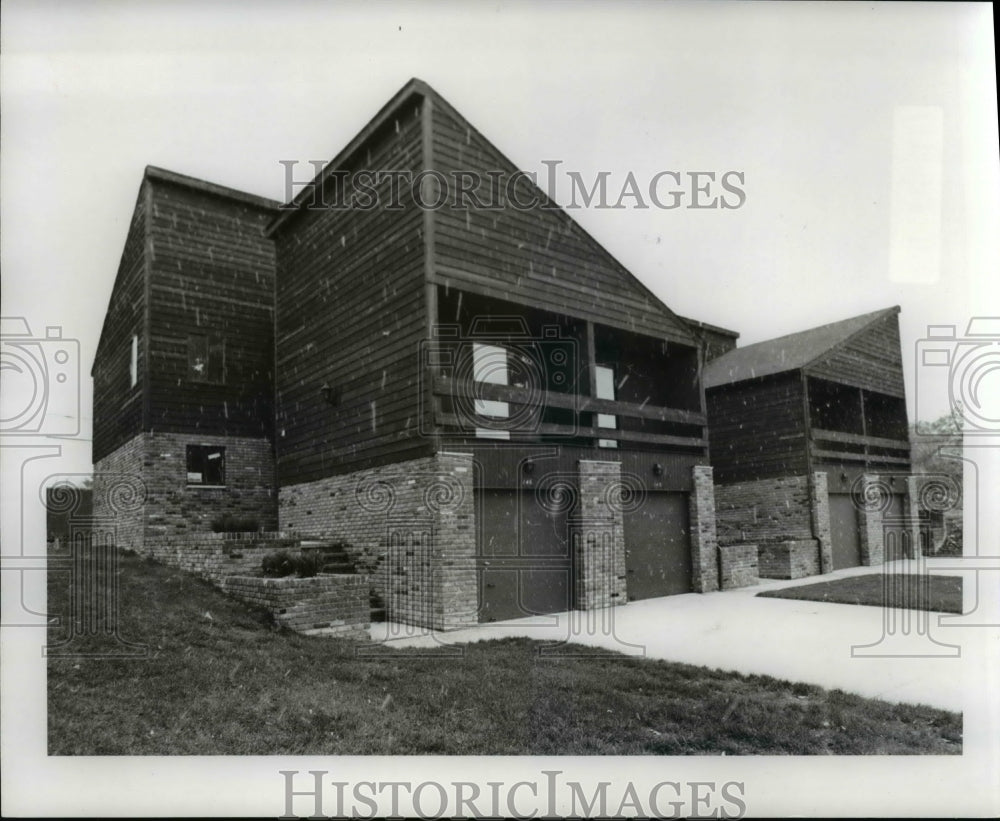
(790, 352)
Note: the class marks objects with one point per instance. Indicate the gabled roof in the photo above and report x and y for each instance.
(675, 327)
(788, 353)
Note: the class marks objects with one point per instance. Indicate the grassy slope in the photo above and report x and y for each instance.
(220, 679)
(943, 593)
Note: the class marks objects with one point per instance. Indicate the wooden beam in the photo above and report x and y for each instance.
(854, 439)
(468, 426)
(841, 456)
(569, 401)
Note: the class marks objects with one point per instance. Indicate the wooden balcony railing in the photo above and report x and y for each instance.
(824, 445)
(529, 403)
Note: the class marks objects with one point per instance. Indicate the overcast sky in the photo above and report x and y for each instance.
(866, 134)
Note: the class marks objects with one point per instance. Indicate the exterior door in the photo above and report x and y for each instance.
(523, 561)
(846, 540)
(658, 547)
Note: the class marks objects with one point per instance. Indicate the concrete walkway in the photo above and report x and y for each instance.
(896, 655)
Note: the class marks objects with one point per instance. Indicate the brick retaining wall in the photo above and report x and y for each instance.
(216, 555)
(738, 566)
(332, 604)
(790, 559)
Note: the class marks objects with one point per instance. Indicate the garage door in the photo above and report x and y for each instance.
(846, 540)
(523, 557)
(658, 547)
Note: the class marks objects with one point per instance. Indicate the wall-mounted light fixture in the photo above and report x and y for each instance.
(657, 469)
(331, 395)
(843, 476)
(528, 467)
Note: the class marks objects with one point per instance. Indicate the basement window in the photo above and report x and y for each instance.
(206, 465)
(206, 358)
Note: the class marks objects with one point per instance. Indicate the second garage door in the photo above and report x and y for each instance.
(658, 547)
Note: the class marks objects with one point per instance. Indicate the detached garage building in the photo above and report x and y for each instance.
(810, 447)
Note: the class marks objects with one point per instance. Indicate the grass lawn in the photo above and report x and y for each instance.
(220, 679)
(939, 593)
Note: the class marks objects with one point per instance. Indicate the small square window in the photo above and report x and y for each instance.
(206, 358)
(206, 465)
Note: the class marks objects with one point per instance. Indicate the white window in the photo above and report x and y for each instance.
(489, 364)
(606, 390)
(133, 362)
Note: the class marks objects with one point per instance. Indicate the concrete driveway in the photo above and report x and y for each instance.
(896, 655)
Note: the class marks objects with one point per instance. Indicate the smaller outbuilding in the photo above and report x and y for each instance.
(809, 443)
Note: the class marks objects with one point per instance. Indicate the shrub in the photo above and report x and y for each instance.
(228, 523)
(308, 564)
(278, 564)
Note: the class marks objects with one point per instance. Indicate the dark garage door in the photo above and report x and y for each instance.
(844, 531)
(523, 561)
(658, 547)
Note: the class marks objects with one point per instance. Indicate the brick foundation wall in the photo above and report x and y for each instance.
(790, 559)
(819, 500)
(410, 525)
(919, 537)
(154, 466)
(120, 495)
(738, 566)
(597, 532)
(766, 510)
(334, 604)
(704, 531)
(174, 507)
(871, 534)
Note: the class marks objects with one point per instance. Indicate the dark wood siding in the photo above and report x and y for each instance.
(351, 316)
(212, 277)
(871, 360)
(537, 257)
(757, 428)
(118, 406)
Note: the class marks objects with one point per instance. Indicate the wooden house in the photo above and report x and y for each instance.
(498, 416)
(810, 447)
(492, 412)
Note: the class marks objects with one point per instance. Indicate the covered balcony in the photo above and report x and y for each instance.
(504, 372)
(849, 424)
